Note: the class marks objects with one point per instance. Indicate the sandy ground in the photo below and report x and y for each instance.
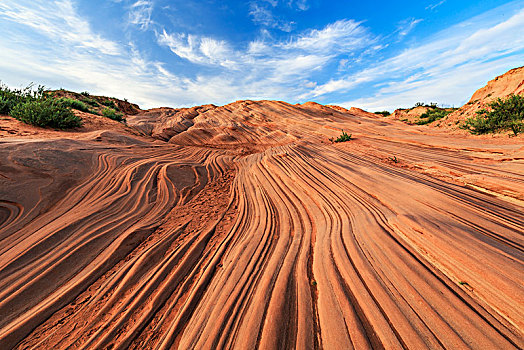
(243, 227)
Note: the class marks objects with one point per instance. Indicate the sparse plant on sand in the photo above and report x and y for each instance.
(383, 113)
(501, 114)
(393, 159)
(112, 114)
(342, 138)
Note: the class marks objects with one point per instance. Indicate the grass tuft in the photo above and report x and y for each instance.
(393, 159)
(344, 137)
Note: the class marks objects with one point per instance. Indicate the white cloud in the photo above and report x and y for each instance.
(447, 68)
(58, 21)
(345, 36)
(450, 88)
(62, 49)
(273, 3)
(435, 5)
(266, 62)
(196, 49)
(301, 5)
(262, 15)
(406, 26)
(338, 37)
(49, 41)
(262, 12)
(140, 14)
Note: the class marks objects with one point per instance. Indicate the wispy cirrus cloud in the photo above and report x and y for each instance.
(457, 59)
(51, 41)
(57, 21)
(405, 26)
(198, 49)
(140, 14)
(263, 68)
(315, 46)
(261, 14)
(301, 5)
(433, 6)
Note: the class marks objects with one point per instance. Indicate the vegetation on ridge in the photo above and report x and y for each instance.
(45, 108)
(501, 114)
(36, 107)
(432, 114)
(46, 112)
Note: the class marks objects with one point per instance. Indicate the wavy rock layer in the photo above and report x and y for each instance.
(246, 228)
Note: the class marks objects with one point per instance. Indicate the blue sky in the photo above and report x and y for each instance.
(371, 54)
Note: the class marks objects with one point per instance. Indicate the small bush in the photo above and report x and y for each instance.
(431, 115)
(383, 113)
(46, 112)
(393, 159)
(90, 101)
(109, 103)
(112, 114)
(75, 104)
(502, 114)
(342, 138)
(85, 93)
(9, 98)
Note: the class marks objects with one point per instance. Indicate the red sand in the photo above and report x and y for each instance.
(246, 228)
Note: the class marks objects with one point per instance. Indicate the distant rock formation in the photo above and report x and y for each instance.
(511, 82)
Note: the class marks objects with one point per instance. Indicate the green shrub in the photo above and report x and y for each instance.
(112, 114)
(9, 98)
(109, 103)
(502, 114)
(393, 159)
(85, 93)
(46, 112)
(342, 138)
(90, 101)
(431, 115)
(75, 104)
(383, 113)
(6, 104)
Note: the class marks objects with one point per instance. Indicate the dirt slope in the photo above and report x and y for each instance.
(242, 226)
